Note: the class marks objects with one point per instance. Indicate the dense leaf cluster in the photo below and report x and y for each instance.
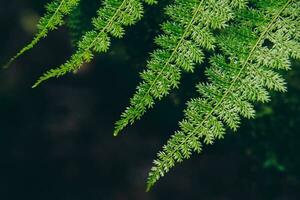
(186, 34)
(247, 43)
(239, 77)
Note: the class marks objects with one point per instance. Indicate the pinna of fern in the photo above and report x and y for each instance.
(239, 77)
(184, 37)
(110, 21)
(54, 17)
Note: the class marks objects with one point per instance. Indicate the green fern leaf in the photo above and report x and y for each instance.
(56, 11)
(110, 21)
(189, 30)
(238, 78)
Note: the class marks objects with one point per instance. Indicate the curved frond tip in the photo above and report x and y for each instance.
(56, 11)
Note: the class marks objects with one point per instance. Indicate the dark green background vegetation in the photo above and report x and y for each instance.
(56, 141)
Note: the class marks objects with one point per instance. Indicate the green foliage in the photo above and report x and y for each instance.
(56, 11)
(189, 31)
(247, 43)
(239, 77)
(110, 21)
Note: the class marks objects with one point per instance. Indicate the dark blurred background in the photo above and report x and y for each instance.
(56, 141)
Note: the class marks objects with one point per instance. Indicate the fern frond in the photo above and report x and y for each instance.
(238, 78)
(55, 12)
(110, 21)
(189, 31)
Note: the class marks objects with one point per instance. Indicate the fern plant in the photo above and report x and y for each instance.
(110, 21)
(239, 77)
(56, 11)
(247, 43)
(185, 36)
